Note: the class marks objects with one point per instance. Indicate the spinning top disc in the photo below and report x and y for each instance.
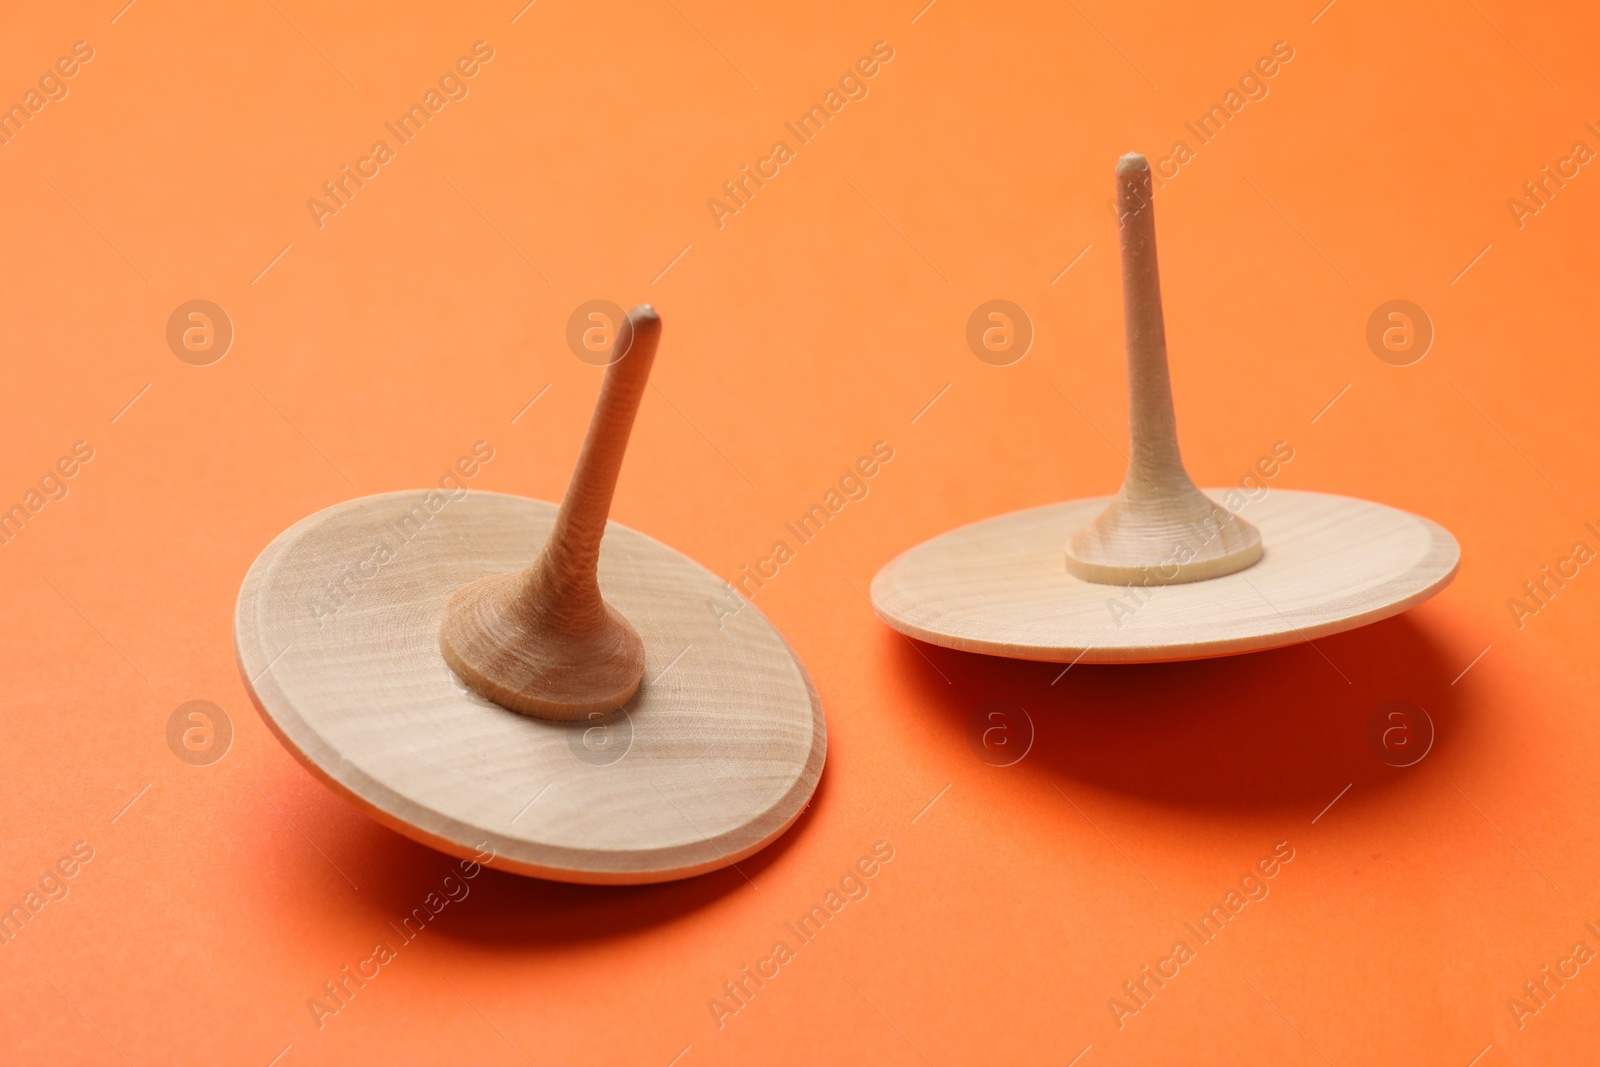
(494, 675)
(1161, 571)
(999, 586)
(714, 757)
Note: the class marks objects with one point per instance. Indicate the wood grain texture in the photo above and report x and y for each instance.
(998, 586)
(543, 641)
(1158, 528)
(727, 732)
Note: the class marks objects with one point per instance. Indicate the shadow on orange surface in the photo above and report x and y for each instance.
(1279, 730)
(499, 908)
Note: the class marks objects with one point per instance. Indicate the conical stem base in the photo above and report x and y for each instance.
(534, 661)
(1182, 537)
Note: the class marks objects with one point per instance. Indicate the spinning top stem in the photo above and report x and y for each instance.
(1159, 529)
(544, 642)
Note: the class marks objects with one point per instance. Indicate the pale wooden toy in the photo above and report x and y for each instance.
(1160, 571)
(613, 720)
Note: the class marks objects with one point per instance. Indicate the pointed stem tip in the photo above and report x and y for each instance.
(1132, 162)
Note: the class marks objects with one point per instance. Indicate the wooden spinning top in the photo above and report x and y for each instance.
(1161, 571)
(598, 714)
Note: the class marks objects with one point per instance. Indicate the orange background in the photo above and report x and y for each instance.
(823, 317)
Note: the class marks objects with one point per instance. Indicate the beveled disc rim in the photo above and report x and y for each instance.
(1073, 648)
